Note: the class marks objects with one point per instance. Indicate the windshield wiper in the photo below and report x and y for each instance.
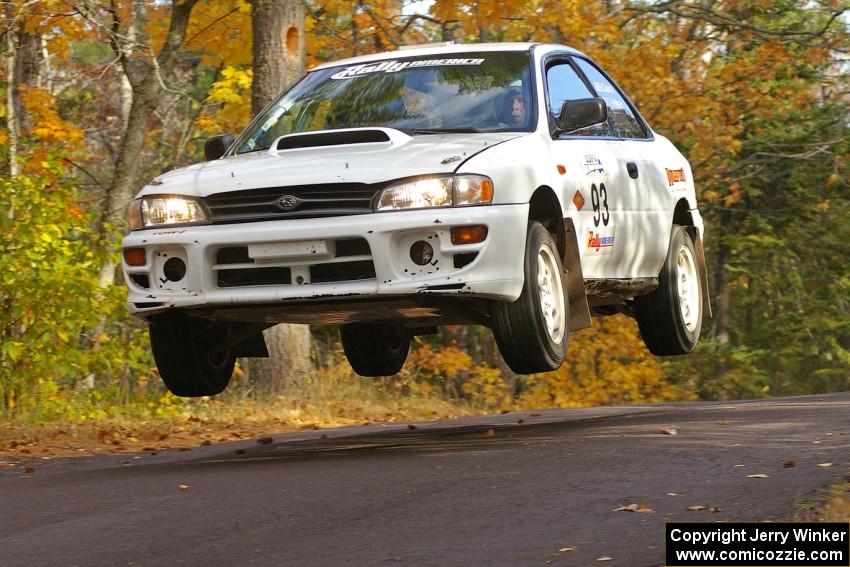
(415, 131)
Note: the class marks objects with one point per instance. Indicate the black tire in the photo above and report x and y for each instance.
(520, 328)
(375, 349)
(183, 349)
(668, 328)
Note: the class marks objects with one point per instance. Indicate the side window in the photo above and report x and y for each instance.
(563, 84)
(621, 113)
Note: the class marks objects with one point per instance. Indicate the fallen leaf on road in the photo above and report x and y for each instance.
(759, 475)
(697, 507)
(642, 508)
(714, 509)
(789, 464)
(563, 549)
(605, 558)
(490, 433)
(411, 426)
(816, 442)
(206, 443)
(669, 431)
(723, 422)
(29, 469)
(264, 440)
(825, 465)
(672, 494)
(520, 421)
(739, 466)
(184, 487)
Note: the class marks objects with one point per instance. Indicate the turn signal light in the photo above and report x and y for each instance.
(135, 256)
(469, 234)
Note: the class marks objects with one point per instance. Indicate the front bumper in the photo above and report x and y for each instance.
(222, 260)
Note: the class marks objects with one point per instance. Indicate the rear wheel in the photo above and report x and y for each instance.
(188, 356)
(375, 349)
(532, 332)
(670, 317)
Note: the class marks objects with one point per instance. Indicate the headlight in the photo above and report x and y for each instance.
(442, 191)
(162, 211)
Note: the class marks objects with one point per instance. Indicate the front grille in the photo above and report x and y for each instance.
(254, 276)
(352, 262)
(306, 201)
(343, 272)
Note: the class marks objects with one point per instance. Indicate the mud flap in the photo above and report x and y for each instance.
(571, 260)
(703, 273)
(253, 346)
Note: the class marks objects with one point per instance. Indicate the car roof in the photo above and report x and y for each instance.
(444, 49)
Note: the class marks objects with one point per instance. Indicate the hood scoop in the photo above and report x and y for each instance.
(346, 137)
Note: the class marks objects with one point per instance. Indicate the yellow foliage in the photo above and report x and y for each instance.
(48, 126)
(221, 30)
(230, 97)
(608, 365)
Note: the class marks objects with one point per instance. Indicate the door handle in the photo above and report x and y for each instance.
(632, 168)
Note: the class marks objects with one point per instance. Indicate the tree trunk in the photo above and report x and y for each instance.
(147, 88)
(278, 48)
(142, 99)
(288, 366)
(27, 67)
(278, 52)
(11, 115)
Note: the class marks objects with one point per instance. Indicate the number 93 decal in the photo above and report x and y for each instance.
(599, 200)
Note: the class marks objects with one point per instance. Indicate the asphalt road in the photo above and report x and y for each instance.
(511, 489)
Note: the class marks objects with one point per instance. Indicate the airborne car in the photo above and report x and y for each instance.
(509, 185)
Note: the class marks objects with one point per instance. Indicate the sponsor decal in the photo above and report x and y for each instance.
(394, 66)
(578, 200)
(592, 164)
(675, 176)
(596, 241)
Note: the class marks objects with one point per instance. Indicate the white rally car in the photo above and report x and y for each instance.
(508, 185)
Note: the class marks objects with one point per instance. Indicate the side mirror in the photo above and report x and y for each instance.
(217, 146)
(582, 113)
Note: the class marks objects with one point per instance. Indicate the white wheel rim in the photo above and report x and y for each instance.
(551, 294)
(687, 282)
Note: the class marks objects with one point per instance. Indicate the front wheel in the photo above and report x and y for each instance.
(670, 317)
(188, 355)
(532, 332)
(375, 349)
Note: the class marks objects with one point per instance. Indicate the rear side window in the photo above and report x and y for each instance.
(627, 123)
(563, 84)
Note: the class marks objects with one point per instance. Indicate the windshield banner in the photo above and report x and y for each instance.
(394, 66)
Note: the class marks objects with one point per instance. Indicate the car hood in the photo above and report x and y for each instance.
(403, 156)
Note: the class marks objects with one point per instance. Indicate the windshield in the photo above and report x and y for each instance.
(485, 92)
